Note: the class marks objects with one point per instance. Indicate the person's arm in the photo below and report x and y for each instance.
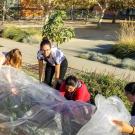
(41, 65)
(124, 127)
(57, 71)
(13, 88)
(58, 57)
(2, 60)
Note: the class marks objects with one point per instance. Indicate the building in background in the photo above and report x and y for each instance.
(31, 10)
(23, 9)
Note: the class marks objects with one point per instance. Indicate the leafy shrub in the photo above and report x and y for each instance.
(33, 39)
(84, 55)
(109, 59)
(125, 47)
(26, 35)
(128, 63)
(103, 58)
(55, 30)
(15, 33)
(105, 85)
(97, 57)
(33, 30)
(123, 50)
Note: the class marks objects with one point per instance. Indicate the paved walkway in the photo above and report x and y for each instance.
(29, 55)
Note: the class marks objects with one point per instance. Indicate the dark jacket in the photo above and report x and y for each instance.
(133, 110)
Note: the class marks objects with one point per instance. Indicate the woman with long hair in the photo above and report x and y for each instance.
(12, 58)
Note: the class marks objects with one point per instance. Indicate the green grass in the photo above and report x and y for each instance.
(26, 35)
(31, 70)
(15, 33)
(33, 31)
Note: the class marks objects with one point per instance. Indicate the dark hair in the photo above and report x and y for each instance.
(45, 41)
(71, 81)
(130, 88)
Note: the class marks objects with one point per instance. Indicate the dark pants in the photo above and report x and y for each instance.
(50, 70)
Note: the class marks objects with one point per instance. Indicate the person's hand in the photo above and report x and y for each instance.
(54, 84)
(123, 126)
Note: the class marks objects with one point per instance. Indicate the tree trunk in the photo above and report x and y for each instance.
(101, 17)
(87, 16)
(81, 17)
(46, 11)
(72, 13)
(46, 14)
(46, 18)
(4, 13)
(114, 17)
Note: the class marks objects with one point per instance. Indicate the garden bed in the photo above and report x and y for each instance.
(106, 85)
(25, 35)
(109, 59)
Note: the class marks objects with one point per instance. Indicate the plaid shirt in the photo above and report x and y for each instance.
(56, 56)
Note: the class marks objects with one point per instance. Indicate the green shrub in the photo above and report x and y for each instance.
(55, 30)
(15, 33)
(33, 39)
(96, 57)
(103, 58)
(109, 59)
(84, 55)
(128, 63)
(105, 85)
(123, 51)
(33, 31)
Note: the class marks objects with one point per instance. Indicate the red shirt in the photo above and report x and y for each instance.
(81, 93)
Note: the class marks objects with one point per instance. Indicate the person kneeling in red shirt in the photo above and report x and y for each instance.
(74, 89)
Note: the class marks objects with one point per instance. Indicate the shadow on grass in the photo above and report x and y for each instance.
(107, 32)
(105, 49)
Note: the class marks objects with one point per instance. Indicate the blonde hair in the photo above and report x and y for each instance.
(14, 58)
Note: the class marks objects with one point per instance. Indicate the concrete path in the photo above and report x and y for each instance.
(29, 56)
(89, 38)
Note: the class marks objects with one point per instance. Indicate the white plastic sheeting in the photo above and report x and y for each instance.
(37, 109)
(101, 122)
